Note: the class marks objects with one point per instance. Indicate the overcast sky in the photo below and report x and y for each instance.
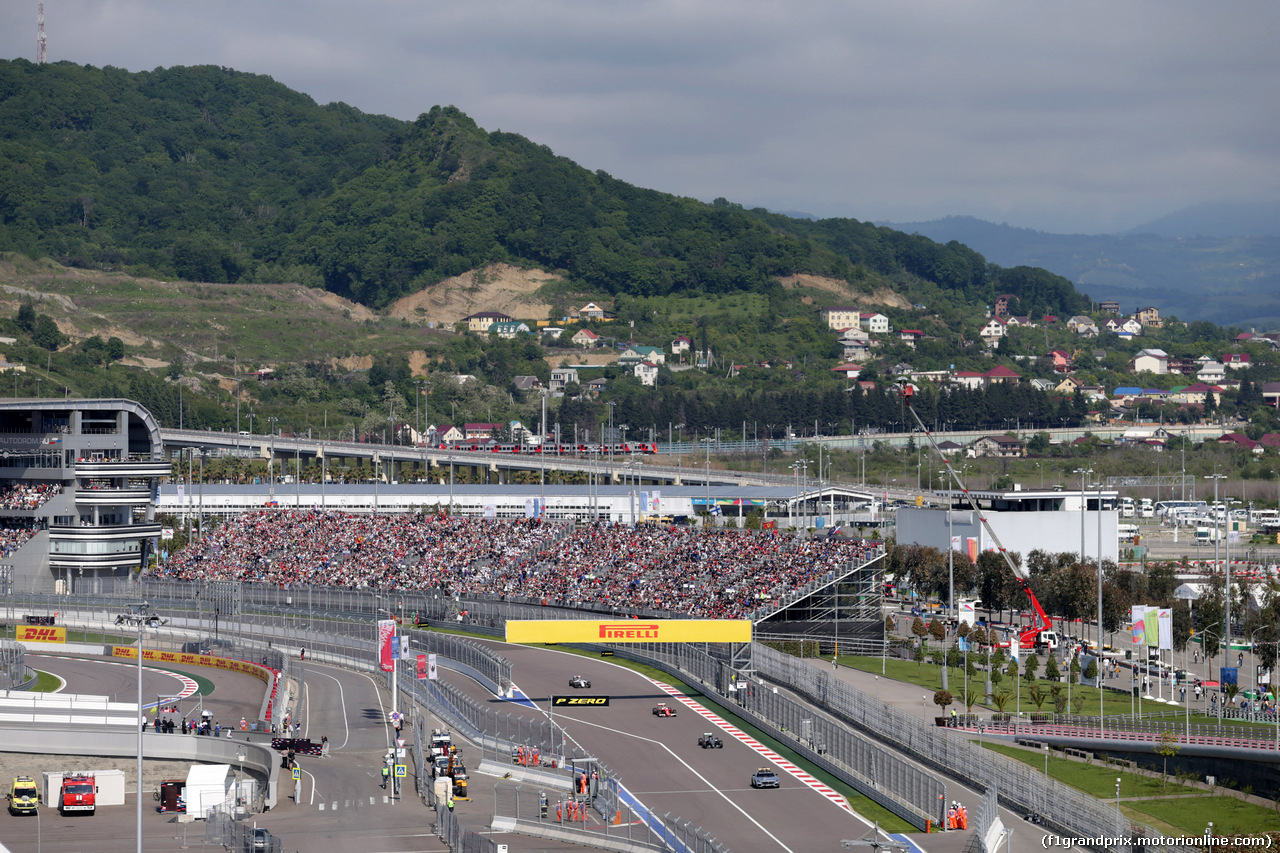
(1062, 116)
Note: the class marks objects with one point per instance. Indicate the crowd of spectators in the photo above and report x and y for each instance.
(704, 573)
(14, 533)
(27, 495)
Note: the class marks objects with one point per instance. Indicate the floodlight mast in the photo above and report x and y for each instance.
(1026, 638)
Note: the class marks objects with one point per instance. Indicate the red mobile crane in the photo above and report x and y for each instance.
(1040, 634)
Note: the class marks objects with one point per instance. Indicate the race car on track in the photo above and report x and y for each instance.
(710, 741)
(765, 778)
(662, 710)
(579, 681)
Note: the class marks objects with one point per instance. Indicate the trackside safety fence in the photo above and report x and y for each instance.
(1019, 786)
(876, 773)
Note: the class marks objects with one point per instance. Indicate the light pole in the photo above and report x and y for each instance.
(141, 619)
(1217, 537)
(951, 553)
(1084, 505)
(240, 775)
(708, 441)
(1100, 691)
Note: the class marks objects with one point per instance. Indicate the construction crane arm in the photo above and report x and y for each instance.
(1028, 636)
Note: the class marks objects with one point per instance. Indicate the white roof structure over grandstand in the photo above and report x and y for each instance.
(615, 503)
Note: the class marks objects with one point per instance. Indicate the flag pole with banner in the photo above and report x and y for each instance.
(386, 655)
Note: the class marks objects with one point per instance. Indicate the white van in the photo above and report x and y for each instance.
(1126, 532)
(1206, 535)
(1147, 509)
(1126, 508)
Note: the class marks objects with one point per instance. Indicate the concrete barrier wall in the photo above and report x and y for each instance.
(121, 742)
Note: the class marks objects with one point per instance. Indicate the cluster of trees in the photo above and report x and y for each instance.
(835, 409)
(1066, 588)
(209, 174)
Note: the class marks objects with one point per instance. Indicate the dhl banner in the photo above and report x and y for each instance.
(261, 673)
(629, 631)
(41, 634)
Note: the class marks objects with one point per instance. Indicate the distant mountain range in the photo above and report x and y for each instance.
(1214, 262)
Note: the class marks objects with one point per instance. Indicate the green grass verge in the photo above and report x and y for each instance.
(1191, 815)
(1097, 779)
(869, 809)
(46, 682)
(929, 676)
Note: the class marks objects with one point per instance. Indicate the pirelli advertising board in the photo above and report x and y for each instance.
(41, 634)
(629, 631)
(183, 658)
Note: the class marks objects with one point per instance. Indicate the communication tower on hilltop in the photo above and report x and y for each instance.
(40, 40)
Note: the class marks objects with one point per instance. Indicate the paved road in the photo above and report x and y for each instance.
(661, 764)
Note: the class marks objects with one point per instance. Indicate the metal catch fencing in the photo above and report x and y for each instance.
(226, 828)
(449, 829)
(532, 810)
(880, 775)
(1020, 786)
(13, 665)
(904, 789)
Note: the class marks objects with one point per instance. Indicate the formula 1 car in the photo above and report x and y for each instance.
(710, 741)
(662, 710)
(579, 681)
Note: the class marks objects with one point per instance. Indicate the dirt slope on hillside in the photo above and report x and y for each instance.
(497, 287)
(848, 295)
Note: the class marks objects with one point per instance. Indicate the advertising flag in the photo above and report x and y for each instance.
(386, 631)
(422, 667)
(655, 502)
(1136, 614)
(432, 674)
(1164, 618)
(1151, 622)
(404, 647)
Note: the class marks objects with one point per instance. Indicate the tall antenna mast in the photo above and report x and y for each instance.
(40, 40)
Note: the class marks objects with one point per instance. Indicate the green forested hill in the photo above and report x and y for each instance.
(210, 174)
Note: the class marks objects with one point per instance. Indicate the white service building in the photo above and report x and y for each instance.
(1051, 521)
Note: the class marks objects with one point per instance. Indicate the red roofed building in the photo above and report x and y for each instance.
(480, 430)
(849, 369)
(1239, 439)
(1001, 375)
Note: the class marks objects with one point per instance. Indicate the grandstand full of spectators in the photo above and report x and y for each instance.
(14, 533)
(27, 494)
(704, 573)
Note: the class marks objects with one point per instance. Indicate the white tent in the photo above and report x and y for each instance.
(208, 785)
